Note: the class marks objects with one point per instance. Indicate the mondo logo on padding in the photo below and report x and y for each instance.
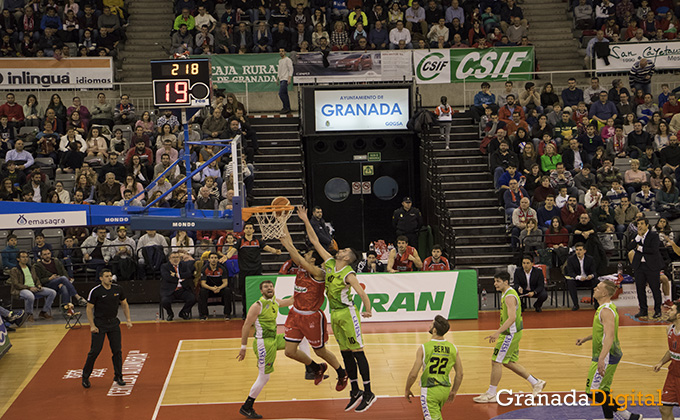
(432, 66)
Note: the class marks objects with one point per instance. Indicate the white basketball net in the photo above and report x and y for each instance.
(271, 223)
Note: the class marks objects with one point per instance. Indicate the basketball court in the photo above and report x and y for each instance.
(183, 370)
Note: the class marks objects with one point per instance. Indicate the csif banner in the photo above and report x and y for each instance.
(664, 55)
(48, 73)
(473, 65)
(241, 73)
(415, 296)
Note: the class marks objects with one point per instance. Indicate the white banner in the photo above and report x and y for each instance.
(628, 297)
(400, 297)
(48, 73)
(42, 220)
(361, 110)
(664, 55)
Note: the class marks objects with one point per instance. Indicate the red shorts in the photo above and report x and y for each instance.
(313, 327)
(671, 390)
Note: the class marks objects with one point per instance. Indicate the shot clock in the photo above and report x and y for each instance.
(181, 83)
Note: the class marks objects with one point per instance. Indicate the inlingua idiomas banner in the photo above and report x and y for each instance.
(664, 55)
(361, 109)
(48, 73)
(459, 65)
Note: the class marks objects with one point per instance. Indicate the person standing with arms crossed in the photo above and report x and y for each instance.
(262, 314)
(340, 277)
(437, 357)
(606, 352)
(671, 388)
(102, 314)
(285, 79)
(305, 319)
(506, 352)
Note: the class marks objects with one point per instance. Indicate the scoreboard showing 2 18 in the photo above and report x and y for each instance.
(181, 83)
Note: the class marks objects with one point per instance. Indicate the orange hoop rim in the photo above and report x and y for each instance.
(248, 212)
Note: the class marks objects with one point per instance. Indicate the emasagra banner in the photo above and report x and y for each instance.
(664, 55)
(232, 72)
(471, 65)
(414, 296)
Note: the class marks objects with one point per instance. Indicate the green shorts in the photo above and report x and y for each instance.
(346, 326)
(507, 348)
(265, 350)
(597, 381)
(432, 400)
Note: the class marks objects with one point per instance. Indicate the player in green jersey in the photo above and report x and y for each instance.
(436, 357)
(345, 321)
(262, 314)
(606, 352)
(507, 339)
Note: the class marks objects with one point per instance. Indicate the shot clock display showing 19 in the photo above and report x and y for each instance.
(181, 83)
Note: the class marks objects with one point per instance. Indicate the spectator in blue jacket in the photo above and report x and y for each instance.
(590, 141)
(10, 253)
(602, 110)
(51, 19)
(378, 38)
(483, 99)
(510, 173)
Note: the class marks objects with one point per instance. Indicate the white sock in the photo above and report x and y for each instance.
(304, 347)
(625, 414)
(260, 382)
(492, 390)
(666, 297)
(533, 381)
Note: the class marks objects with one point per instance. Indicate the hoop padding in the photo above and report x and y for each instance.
(271, 219)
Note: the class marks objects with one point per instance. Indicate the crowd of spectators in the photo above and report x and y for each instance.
(112, 151)
(342, 25)
(62, 29)
(581, 167)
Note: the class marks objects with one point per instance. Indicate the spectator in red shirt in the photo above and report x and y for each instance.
(671, 107)
(403, 257)
(436, 262)
(14, 112)
(570, 213)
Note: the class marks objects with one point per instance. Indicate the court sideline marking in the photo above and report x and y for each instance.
(167, 381)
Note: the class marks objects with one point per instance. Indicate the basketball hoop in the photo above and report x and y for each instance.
(271, 219)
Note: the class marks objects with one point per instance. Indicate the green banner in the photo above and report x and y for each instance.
(470, 65)
(4, 339)
(241, 73)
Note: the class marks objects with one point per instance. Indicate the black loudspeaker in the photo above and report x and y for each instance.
(358, 195)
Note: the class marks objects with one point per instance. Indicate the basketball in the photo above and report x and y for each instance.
(280, 201)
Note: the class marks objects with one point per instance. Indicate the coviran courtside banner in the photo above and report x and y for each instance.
(415, 296)
(471, 65)
(48, 73)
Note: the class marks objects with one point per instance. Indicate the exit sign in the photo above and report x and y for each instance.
(374, 156)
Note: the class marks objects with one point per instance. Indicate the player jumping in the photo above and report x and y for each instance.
(340, 277)
(305, 318)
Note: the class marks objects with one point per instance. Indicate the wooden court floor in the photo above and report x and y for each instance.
(182, 369)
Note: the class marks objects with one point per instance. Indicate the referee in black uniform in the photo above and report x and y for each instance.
(102, 314)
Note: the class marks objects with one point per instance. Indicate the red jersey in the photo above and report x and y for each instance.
(289, 267)
(674, 349)
(401, 261)
(308, 292)
(430, 265)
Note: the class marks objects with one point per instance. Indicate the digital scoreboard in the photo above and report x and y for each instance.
(181, 83)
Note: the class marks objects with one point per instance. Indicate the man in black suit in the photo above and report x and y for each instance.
(177, 283)
(530, 281)
(580, 271)
(643, 253)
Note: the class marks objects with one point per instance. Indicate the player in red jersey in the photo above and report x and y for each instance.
(671, 388)
(305, 319)
(289, 268)
(436, 262)
(403, 257)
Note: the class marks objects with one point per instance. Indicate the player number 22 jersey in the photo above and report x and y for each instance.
(439, 356)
